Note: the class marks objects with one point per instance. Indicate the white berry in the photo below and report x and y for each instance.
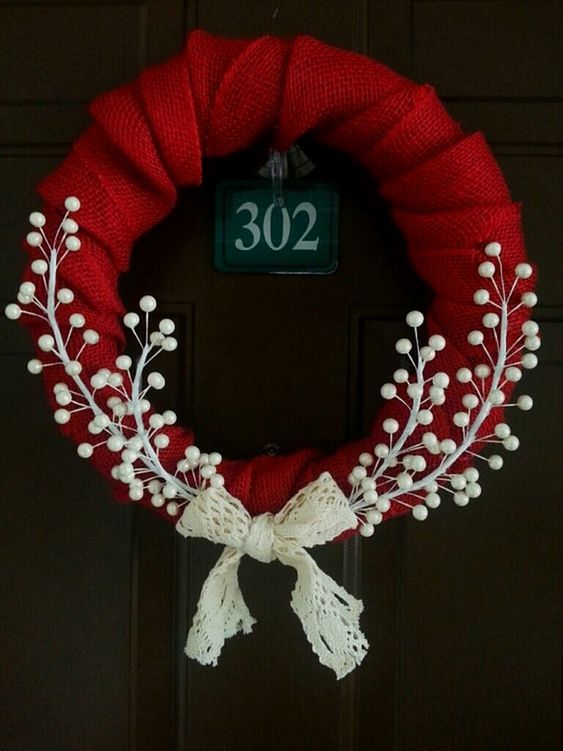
(72, 203)
(34, 239)
(495, 461)
(192, 453)
(481, 297)
(27, 289)
(486, 269)
(131, 320)
(390, 425)
(424, 417)
(482, 371)
(461, 419)
(65, 296)
(115, 443)
(437, 395)
(464, 375)
(123, 362)
(161, 441)
(415, 390)
(429, 439)
(461, 498)
(493, 249)
(388, 391)
(85, 450)
(427, 354)
(98, 381)
(77, 320)
(91, 336)
(437, 342)
(523, 271)
(157, 500)
(12, 311)
(529, 299)
(403, 346)
(513, 374)
(156, 421)
(432, 500)
(442, 380)
(471, 474)
(475, 338)
(46, 342)
(401, 375)
(37, 219)
(169, 344)
(420, 512)
(365, 459)
(404, 481)
(525, 402)
(490, 320)
(383, 505)
(473, 490)
(63, 398)
(73, 368)
(381, 450)
(166, 326)
(169, 490)
(156, 380)
(533, 343)
(169, 417)
(447, 446)
(470, 401)
(40, 267)
(373, 516)
(70, 226)
(511, 443)
(530, 328)
(414, 319)
(147, 304)
(458, 482)
(496, 397)
(502, 430)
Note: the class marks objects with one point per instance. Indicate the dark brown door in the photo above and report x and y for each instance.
(461, 612)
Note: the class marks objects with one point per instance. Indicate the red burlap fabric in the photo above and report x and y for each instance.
(148, 140)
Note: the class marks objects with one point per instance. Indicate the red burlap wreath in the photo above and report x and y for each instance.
(148, 139)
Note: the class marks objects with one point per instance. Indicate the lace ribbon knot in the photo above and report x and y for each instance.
(259, 543)
(328, 613)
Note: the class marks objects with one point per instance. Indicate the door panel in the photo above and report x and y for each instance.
(97, 598)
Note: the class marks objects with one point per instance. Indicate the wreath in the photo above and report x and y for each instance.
(447, 196)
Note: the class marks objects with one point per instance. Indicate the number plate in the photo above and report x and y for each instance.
(254, 236)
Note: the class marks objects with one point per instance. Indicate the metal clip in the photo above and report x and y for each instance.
(278, 173)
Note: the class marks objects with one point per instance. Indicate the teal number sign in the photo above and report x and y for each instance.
(252, 235)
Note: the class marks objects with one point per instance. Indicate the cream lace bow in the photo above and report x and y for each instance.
(316, 515)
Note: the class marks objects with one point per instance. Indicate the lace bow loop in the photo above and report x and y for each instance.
(216, 516)
(316, 514)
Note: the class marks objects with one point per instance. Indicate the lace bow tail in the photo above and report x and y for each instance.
(221, 611)
(329, 614)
